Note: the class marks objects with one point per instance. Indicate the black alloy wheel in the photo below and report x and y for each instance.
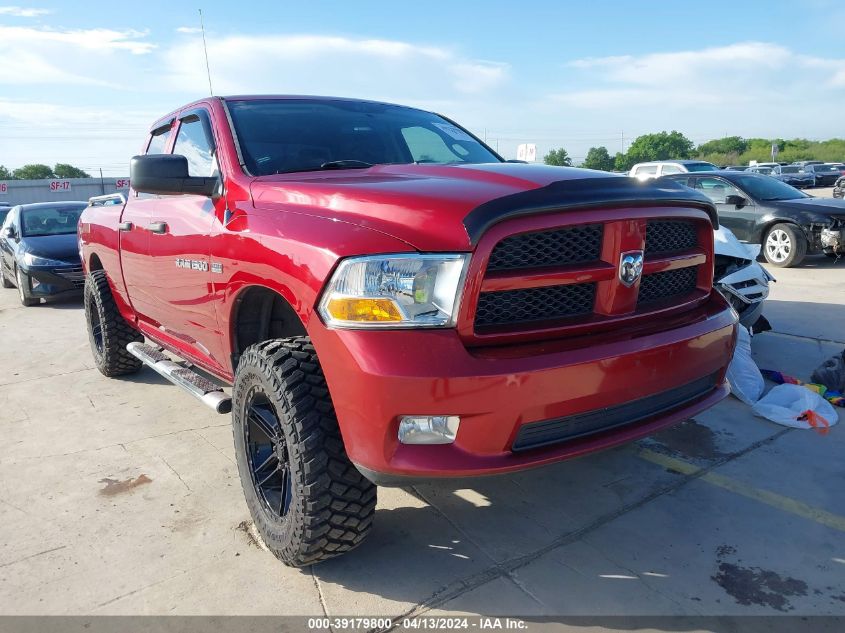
(267, 454)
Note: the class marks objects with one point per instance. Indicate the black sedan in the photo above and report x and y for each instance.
(39, 252)
(761, 210)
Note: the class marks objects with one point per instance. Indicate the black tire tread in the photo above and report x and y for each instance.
(336, 504)
(117, 333)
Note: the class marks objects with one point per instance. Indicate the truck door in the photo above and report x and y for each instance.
(134, 235)
(179, 229)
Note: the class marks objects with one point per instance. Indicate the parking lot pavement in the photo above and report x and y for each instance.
(122, 497)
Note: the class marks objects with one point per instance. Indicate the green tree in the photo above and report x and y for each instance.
(5, 174)
(598, 158)
(727, 145)
(63, 170)
(558, 157)
(33, 172)
(621, 162)
(659, 146)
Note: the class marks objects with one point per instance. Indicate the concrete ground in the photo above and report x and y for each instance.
(122, 497)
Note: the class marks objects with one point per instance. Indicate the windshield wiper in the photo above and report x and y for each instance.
(332, 164)
(345, 164)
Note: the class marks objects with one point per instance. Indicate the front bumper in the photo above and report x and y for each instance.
(53, 281)
(376, 377)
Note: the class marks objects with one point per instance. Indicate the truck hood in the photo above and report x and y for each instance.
(445, 207)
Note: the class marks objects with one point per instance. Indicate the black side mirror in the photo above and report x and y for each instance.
(737, 201)
(164, 174)
(9, 232)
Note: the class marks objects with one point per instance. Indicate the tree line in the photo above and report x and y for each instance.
(38, 171)
(730, 150)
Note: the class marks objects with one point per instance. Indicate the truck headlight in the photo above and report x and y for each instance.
(395, 291)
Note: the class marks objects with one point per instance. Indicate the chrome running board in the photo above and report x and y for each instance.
(204, 390)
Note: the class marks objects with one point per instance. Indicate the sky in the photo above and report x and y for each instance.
(81, 82)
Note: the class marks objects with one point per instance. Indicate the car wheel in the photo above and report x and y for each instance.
(4, 275)
(785, 246)
(108, 331)
(308, 501)
(23, 283)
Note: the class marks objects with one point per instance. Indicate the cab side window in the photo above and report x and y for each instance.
(670, 169)
(716, 189)
(158, 140)
(193, 144)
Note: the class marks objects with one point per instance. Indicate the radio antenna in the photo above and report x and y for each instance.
(205, 50)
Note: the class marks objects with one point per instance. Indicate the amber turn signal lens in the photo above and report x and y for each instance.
(364, 310)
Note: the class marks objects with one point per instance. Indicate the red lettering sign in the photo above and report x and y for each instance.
(60, 185)
(4, 187)
(122, 183)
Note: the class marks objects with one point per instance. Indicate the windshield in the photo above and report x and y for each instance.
(763, 170)
(58, 220)
(701, 167)
(790, 170)
(278, 136)
(825, 168)
(768, 189)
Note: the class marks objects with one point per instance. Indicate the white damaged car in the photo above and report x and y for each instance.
(740, 279)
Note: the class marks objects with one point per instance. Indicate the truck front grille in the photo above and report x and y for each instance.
(560, 247)
(667, 285)
(670, 236)
(566, 276)
(533, 304)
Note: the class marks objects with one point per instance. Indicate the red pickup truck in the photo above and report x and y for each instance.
(390, 301)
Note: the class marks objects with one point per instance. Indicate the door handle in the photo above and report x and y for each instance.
(125, 226)
(158, 227)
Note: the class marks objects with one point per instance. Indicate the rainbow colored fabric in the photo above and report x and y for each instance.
(833, 397)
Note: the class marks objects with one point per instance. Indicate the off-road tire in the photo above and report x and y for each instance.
(27, 302)
(332, 505)
(110, 354)
(797, 245)
(7, 283)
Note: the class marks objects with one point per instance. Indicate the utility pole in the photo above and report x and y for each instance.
(102, 183)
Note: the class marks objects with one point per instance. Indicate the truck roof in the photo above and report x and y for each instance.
(268, 97)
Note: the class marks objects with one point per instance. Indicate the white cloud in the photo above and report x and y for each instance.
(374, 68)
(86, 57)
(746, 88)
(189, 29)
(86, 39)
(23, 12)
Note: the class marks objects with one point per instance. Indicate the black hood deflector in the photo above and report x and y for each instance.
(585, 193)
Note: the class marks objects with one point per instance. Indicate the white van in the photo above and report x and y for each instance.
(655, 169)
